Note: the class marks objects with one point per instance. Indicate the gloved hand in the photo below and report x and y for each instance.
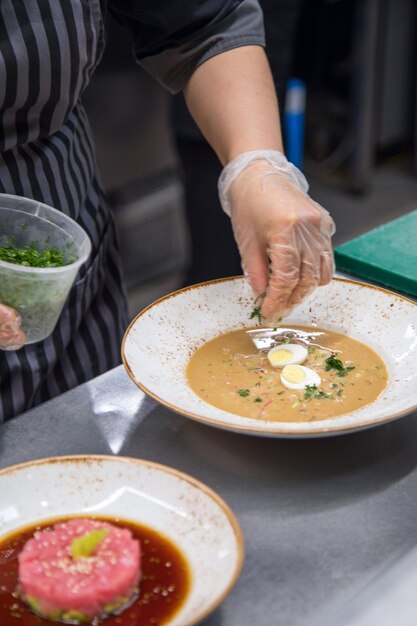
(12, 336)
(284, 237)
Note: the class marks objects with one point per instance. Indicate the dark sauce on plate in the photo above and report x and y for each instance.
(163, 588)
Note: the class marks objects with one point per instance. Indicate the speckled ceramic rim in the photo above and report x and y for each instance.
(182, 476)
(251, 430)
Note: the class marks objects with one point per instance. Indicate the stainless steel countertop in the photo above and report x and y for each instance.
(321, 517)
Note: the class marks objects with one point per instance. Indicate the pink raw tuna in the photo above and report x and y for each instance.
(56, 584)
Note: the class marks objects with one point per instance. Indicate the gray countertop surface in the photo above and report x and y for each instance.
(321, 517)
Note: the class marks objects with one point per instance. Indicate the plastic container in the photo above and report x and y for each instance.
(39, 294)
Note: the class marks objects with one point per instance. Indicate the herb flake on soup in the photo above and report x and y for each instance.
(339, 377)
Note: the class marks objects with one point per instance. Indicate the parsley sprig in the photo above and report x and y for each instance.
(333, 363)
(256, 311)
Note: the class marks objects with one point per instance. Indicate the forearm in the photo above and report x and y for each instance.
(232, 98)
(284, 237)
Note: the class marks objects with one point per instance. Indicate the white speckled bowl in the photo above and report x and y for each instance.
(168, 501)
(161, 339)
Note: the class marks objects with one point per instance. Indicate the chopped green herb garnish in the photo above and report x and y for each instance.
(309, 391)
(345, 372)
(333, 363)
(312, 391)
(243, 392)
(258, 400)
(31, 257)
(320, 395)
(256, 313)
(279, 393)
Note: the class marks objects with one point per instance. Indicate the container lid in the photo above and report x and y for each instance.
(385, 255)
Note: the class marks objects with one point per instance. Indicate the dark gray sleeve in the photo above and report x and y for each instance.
(241, 27)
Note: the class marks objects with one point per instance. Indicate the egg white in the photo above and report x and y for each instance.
(299, 354)
(311, 378)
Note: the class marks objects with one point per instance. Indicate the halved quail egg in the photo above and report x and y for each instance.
(287, 354)
(299, 377)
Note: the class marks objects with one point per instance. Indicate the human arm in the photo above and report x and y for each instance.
(213, 50)
(282, 234)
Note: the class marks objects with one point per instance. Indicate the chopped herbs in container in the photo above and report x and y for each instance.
(31, 257)
(35, 282)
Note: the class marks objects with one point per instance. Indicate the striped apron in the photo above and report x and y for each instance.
(48, 51)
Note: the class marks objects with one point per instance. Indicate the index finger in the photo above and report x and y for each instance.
(284, 277)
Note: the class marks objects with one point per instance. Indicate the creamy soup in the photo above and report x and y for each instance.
(230, 373)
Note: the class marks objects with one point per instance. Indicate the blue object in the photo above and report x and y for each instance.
(294, 114)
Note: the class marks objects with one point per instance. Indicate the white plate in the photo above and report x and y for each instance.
(161, 339)
(168, 501)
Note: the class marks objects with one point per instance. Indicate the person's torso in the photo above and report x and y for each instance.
(48, 52)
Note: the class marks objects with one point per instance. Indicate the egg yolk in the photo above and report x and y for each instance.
(278, 357)
(294, 374)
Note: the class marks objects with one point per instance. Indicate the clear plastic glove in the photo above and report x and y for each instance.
(284, 237)
(12, 336)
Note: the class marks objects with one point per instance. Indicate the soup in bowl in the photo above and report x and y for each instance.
(297, 380)
(366, 360)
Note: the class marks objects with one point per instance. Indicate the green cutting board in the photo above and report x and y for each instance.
(386, 255)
